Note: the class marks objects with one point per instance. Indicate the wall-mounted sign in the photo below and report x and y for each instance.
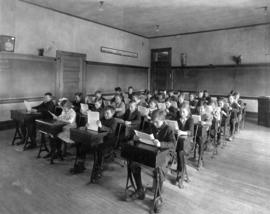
(119, 52)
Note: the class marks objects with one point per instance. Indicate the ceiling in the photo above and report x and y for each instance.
(173, 16)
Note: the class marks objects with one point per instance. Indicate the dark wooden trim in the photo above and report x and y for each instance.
(113, 93)
(252, 114)
(218, 95)
(114, 64)
(19, 100)
(71, 54)
(19, 56)
(222, 66)
(9, 124)
(210, 30)
(78, 17)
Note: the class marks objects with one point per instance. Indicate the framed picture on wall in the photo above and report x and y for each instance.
(7, 43)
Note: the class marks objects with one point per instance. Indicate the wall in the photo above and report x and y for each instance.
(24, 76)
(218, 47)
(35, 27)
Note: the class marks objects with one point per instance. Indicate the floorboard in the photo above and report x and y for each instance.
(235, 181)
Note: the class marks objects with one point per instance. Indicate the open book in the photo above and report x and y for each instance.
(143, 110)
(92, 118)
(196, 118)
(173, 124)
(84, 108)
(145, 138)
(27, 106)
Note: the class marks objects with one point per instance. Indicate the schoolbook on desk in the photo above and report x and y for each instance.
(92, 118)
(145, 138)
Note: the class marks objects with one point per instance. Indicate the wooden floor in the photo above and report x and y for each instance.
(236, 181)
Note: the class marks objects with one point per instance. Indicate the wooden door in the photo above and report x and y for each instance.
(161, 76)
(70, 73)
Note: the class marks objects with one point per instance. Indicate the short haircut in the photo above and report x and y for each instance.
(79, 94)
(66, 103)
(117, 89)
(98, 92)
(110, 108)
(130, 87)
(236, 93)
(132, 102)
(185, 106)
(158, 114)
(48, 94)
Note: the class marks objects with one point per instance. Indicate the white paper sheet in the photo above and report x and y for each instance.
(143, 110)
(27, 106)
(161, 106)
(145, 138)
(196, 118)
(92, 118)
(173, 124)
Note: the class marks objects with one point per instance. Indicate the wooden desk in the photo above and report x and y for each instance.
(22, 117)
(51, 128)
(84, 135)
(147, 156)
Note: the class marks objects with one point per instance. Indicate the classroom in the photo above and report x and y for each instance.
(134, 106)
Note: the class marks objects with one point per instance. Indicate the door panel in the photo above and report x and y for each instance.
(71, 73)
(161, 77)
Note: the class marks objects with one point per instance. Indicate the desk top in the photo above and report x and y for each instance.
(49, 122)
(22, 115)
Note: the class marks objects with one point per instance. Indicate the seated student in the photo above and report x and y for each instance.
(181, 101)
(148, 98)
(200, 96)
(161, 98)
(130, 92)
(240, 105)
(137, 100)
(132, 118)
(186, 126)
(222, 116)
(106, 125)
(192, 103)
(99, 96)
(206, 96)
(234, 110)
(172, 96)
(98, 108)
(155, 94)
(171, 111)
(118, 91)
(77, 102)
(119, 105)
(44, 108)
(68, 115)
(164, 138)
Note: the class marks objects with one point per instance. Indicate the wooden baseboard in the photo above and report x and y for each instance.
(8, 124)
(252, 114)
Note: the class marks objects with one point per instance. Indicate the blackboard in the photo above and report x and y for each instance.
(250, 81)
(26, 78)
(107, 77)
